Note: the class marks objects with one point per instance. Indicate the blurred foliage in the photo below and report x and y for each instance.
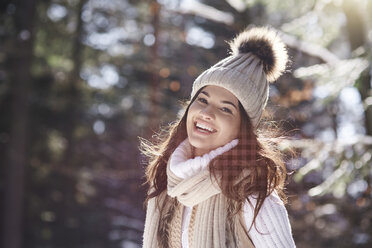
(134, 61)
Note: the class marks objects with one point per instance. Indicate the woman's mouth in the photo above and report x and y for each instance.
(204, 128)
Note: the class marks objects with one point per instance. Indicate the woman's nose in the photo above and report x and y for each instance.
(207, 113)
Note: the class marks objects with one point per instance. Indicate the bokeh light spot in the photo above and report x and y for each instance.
(192, 70)
(164, 72)
(149, 39)
(174, 86)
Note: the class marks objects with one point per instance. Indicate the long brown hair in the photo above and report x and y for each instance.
(257, 155)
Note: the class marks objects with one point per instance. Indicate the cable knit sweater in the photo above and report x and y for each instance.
(272, 222)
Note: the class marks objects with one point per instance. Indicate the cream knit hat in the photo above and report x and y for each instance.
(258, 57)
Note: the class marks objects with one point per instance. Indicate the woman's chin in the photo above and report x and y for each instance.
(200, 146)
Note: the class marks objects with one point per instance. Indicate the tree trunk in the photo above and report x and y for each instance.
(73, 95)
(154, 80)
(20, 58)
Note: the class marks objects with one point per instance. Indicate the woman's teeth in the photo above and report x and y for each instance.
(204, 127)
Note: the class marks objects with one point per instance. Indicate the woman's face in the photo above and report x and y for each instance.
(213, 119)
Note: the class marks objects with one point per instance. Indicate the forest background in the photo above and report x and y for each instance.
(82, 80)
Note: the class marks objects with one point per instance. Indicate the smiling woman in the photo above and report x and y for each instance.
(213, 181)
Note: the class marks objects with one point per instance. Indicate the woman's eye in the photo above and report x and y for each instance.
(227, 110)
(202, 100)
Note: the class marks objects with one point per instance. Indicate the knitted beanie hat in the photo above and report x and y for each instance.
(258, 56)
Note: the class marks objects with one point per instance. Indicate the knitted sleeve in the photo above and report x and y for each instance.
(272, 224)
(151, 225)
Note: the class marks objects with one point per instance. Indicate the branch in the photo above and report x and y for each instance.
(310, 49)
(193, 7)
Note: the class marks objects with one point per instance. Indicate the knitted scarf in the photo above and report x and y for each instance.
(211, 227)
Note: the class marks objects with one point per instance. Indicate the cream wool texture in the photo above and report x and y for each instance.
(258, 57)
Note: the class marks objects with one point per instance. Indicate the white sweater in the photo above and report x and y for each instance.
(272, 222)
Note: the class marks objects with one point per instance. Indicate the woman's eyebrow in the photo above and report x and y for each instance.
(205, 93)
(232, 104)
(226, 102)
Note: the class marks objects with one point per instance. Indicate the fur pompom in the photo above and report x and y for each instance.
(264, 43)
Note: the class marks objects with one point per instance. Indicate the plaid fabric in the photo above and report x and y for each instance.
(241, 170)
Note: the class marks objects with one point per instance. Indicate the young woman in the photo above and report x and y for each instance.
(213, 180)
